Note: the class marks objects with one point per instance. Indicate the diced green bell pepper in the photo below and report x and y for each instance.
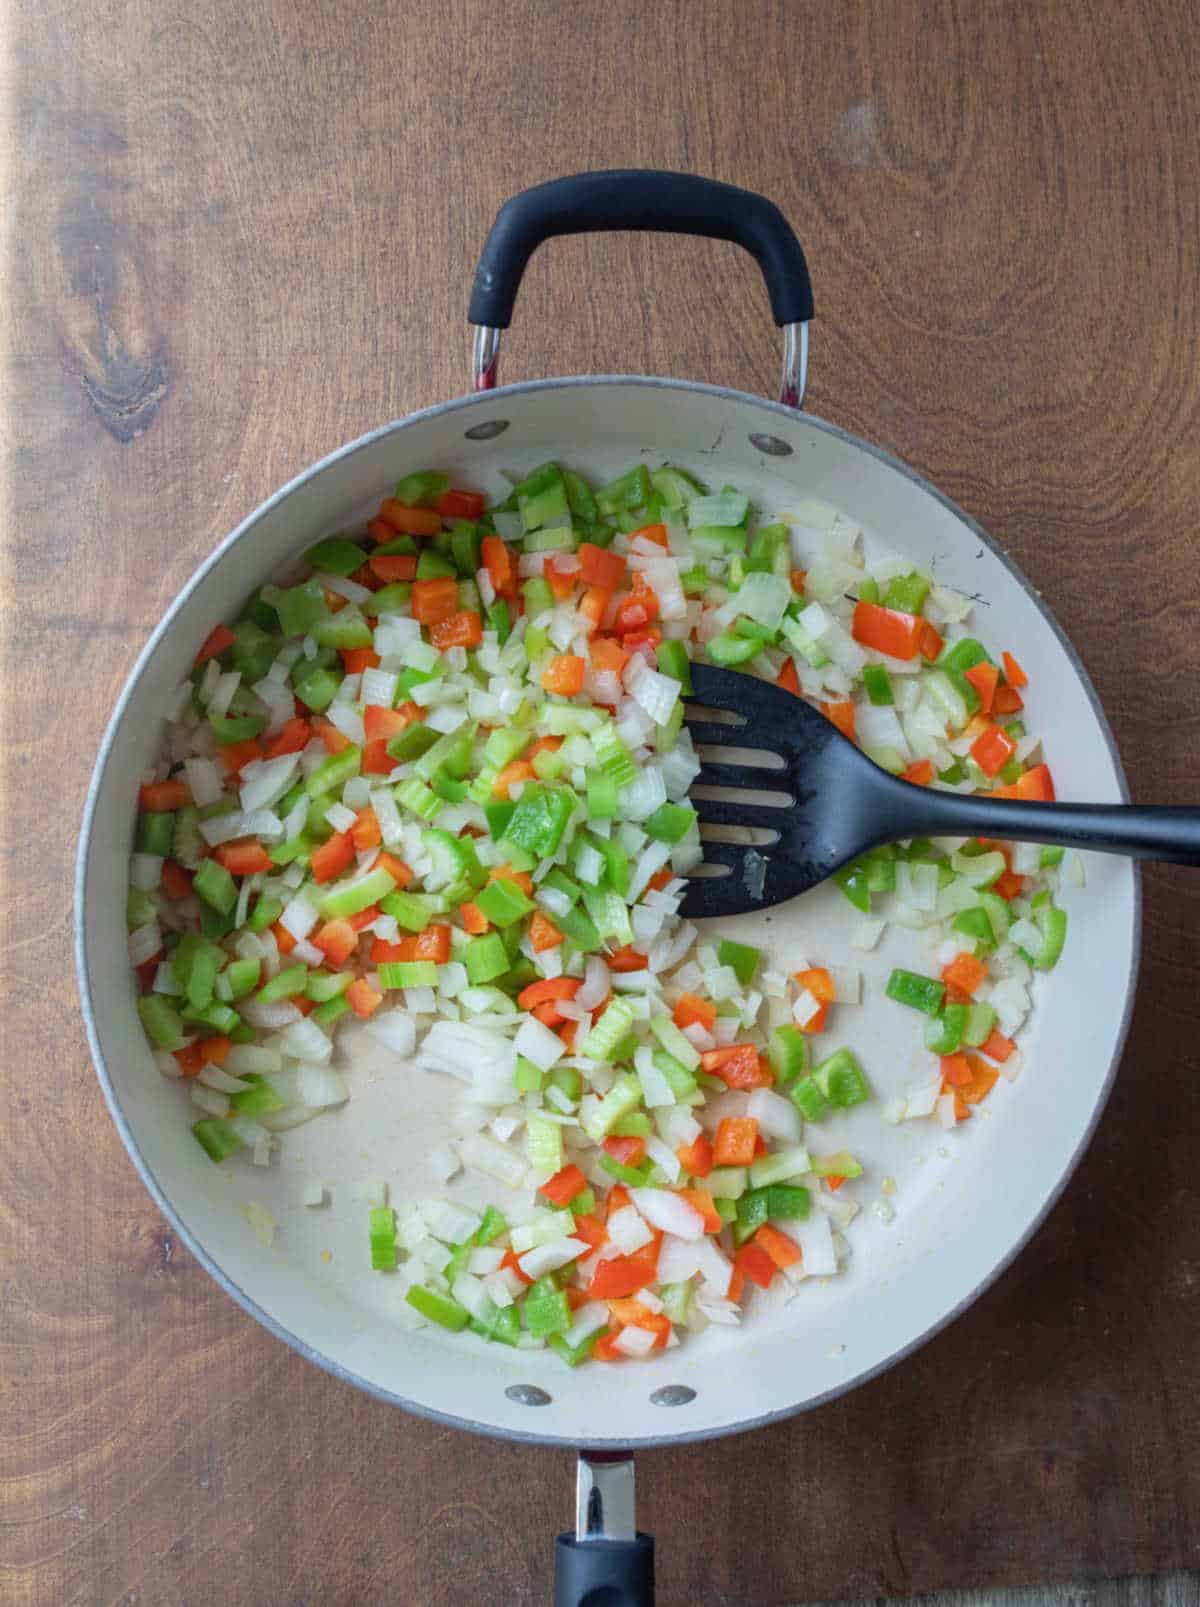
(944, 1032)
(840, 1078)
(317, 688)
(670, 823)
(673, 660)
(854, 881)
(879, 685)
(299, 608)
(788, 1054)
(422, 487)
(335, 556)
(918, 992)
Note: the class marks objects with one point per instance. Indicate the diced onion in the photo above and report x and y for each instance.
(634, 1341)
(668, 1211)
(776, 1116)
(628, 1230)
(205, 781)
(544, 1258)
(483, 1154)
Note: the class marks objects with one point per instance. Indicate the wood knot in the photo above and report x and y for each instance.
(106, 319)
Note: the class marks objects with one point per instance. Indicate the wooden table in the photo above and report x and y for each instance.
(238, 235)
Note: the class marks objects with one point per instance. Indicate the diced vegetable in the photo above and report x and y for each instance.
(433, 796)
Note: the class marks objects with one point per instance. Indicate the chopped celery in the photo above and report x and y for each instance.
(543, 1144)
(214, 884)
(216, 1137)
(623, 1097)
(333, 773)
(161, 1021)
(408, 974)
(348, 898)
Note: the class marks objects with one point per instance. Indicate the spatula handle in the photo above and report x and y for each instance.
(1137, 831)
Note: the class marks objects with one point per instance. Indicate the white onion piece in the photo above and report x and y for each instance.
(256, 823)
(217, 1077)
(776, 1116)
(344, 717)
(538, 1044)
(443, 1163)
(678, 1125)
(483, 1154)
(320, 1086)
(205, 781)
(664, 1158)
(299, 917)
(305, 1040)
(715, 1268)
(394, 1030)
(144, 943)
(471, 1294)
(634, 1341)
(814, 1235)
(209, 1100)
(589, 1319)
(544, 1258)
(165, 981)
(679, 1259)
(223, 693)
(265, 781)
(804, 1007)
(668, 1211)
(627, 1230)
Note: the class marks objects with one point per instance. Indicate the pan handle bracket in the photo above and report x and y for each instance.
(606, 1559)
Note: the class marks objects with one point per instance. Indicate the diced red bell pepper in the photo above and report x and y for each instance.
(754, 1263)
(333, 857)
(599, 566)
(626, 1151)
(460, 504)
(993, 749)
(215, 643)
(562, 1188)
(888, 630)
(245, 857)
(738, 1065)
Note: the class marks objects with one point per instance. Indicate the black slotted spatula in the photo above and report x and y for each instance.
(831, 803)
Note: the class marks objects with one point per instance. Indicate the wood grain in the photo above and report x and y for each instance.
(236, 236)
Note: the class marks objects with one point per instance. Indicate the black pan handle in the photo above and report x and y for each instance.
(606, 1562)
(604, 1573)
(643, 199)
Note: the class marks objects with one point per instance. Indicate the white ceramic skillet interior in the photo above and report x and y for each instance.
(965, 1201)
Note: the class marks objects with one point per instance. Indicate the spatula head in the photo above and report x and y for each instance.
(808, 795)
